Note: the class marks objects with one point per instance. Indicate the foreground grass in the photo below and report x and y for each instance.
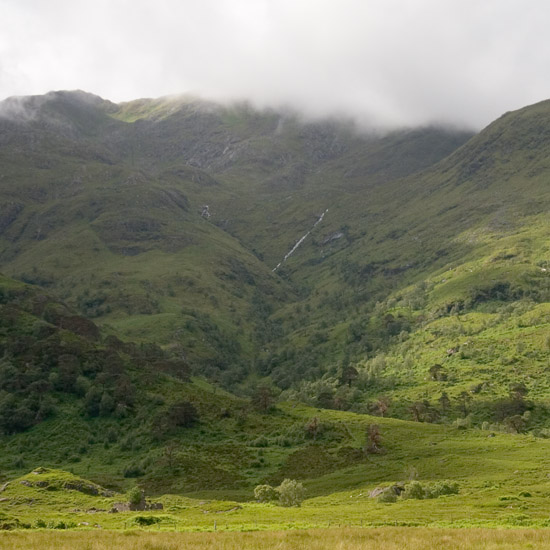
(402, 538)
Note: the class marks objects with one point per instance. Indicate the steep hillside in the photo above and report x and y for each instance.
(342, 266)
(164, 219)
(468, 335)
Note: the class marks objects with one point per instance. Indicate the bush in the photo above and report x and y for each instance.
(441, 488)
(291, 493)
(265, 493)
(135, 496)
(414, 490)
(146, 520)
(260, 441)
(133, 470)
(183, 414)
(387, 496)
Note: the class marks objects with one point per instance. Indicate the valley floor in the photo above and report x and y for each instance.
(388, 538)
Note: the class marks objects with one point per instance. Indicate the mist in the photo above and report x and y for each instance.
(385, 63)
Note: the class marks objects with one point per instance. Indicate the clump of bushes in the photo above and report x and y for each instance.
(143, 521)
(289, 493)
(419, 491)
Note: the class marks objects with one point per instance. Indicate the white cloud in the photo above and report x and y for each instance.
(384, 61)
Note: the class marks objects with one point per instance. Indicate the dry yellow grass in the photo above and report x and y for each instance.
(389, 538)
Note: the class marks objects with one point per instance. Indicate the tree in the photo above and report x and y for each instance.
(170, 454)
(92, 400)
(518, 392)
(183, 413)
(349, 375)
(373, 440)
(444, 402)
(262, 400)
(291, 493)
(464, 399)
(106, 405)
(515, 423)
(382, 404)
(325, 399)
(136, 498)
(265, 493)
(417, 410)
(437, 373)
(313, 427)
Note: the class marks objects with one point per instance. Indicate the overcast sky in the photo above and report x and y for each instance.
(386, 62)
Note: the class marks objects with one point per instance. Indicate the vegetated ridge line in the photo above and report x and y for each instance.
(299, 242)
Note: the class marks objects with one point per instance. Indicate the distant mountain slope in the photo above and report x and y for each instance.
(163, 219)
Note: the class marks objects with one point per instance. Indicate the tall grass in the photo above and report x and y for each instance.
(400, 538)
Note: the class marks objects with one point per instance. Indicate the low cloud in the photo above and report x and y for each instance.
(383, 62)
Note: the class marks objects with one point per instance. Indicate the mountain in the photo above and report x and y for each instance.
(339, 264)
(164, 219)
(201, 298)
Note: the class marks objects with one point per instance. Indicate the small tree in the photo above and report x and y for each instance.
(414, 490)
(417, 411)
(444, 402)
(464, 399)
(382, 405)
(262, 400)
(349, 375)
(373, 443)
(515, 423)
(136, 496)
(265, 493)
(291, 493)
(170, 454)
(183, 413)
(313, 427)
(437, 373)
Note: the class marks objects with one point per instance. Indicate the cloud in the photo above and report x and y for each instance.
(384, 62)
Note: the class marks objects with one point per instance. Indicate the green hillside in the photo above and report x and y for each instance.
(163, 219)
(201, 299)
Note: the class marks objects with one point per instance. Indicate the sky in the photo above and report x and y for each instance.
(386, 63)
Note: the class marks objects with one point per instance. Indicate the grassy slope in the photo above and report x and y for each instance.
(500, 484)
(233, 448)
(474, 221)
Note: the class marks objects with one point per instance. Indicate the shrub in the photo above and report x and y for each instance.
(441, 488)
(146, 520)
(135, 495)
(183, 414)
(387, 496)
(291, 493)
(260, 441)
(265, 493)
(414, 490)
(19, 463)
(133, 470)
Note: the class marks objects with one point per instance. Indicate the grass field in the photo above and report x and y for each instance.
(316, 539)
